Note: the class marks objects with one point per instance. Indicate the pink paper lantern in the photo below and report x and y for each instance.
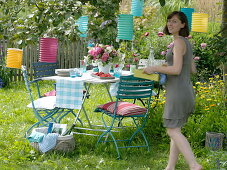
(48, 48)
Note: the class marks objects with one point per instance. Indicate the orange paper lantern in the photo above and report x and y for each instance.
(199, 22)
(14, 58)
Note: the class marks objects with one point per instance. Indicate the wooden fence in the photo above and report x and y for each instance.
(69, 54)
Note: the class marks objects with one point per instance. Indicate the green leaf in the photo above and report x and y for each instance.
(162, 2)
(19, 42)
(186, 1)
(30, 15)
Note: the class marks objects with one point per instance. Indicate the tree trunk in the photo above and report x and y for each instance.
(224, 19)
(224, 34)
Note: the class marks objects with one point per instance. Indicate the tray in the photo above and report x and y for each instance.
(139, 73)
(93, 75)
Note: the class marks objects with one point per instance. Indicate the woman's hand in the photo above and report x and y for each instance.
(165, 64)
(149, 70)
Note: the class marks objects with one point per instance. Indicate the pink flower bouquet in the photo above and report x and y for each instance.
(104, 54)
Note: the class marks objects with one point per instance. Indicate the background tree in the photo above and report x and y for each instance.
(102, 20)
(24, 21)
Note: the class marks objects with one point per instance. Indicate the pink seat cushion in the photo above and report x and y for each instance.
(124, 108)
(50, 93)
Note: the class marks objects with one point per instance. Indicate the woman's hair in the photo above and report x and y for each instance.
(184, 32)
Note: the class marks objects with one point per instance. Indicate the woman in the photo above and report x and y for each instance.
(179, 92)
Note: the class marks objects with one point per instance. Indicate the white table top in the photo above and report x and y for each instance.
(87, 78)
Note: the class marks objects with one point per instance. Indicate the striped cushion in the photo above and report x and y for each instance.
(124, 108)
(50, 93)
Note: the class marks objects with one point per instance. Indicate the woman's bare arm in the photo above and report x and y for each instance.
(179, 51)
(193, 67)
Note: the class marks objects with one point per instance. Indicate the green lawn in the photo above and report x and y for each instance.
(16, 153)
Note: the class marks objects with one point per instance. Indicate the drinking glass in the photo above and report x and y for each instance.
(76, 72)
(72, 73)
(79, 72)
(83, 65)
(117, 72)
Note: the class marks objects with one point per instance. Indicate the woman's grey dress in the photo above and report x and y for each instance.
(180, 99)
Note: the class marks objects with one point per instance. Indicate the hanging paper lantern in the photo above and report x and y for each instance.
(188, 12)
(137, 8)
(199, 22)
(125, 27)
(48, 49)
(14, 58)
(82, 24)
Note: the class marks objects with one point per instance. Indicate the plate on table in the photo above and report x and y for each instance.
(102, 75)
(63, 72)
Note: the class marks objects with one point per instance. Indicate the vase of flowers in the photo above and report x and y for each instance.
(102, 55)
(104, 68)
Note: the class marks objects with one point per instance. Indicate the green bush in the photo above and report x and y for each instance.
(5, 75)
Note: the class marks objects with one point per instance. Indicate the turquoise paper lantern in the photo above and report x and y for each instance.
(188, 12)
(125, 27)
(137, 8)
(82, 24)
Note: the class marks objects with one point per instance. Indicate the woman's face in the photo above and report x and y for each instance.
(174, 25)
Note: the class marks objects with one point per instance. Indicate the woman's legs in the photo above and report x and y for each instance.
(173, 156)
(181, 144)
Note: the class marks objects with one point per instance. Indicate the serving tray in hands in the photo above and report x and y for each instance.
(139, 73)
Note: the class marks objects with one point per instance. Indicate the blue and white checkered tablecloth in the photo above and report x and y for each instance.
(69, 93)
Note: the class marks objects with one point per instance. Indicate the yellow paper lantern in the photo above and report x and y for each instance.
(199, 22)
(14, 58)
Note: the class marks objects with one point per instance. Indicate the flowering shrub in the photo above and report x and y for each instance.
(128, 55)
(132, 61)
(210, 110)
(209, 52)
(104, 54)
(163, 53)
(161, 44)
(135, 60)
(219, 48)
(160, 34)
(203, 45)
(210, 94)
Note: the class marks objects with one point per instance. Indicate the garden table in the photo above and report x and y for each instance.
(88, 81)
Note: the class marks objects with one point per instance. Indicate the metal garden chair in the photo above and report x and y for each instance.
(43, 69)
(129, 88)
(45, 108)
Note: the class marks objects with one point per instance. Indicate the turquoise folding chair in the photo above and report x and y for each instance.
(44, 108)
(129, 88)
(44, 69)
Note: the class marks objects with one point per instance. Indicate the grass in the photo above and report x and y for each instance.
(16, 152)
